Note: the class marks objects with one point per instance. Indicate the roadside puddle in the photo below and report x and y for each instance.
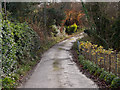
(56, 65)
(60, 48)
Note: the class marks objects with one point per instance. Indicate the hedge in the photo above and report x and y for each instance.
(19, 47)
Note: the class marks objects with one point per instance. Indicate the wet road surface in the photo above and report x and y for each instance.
(57, 69)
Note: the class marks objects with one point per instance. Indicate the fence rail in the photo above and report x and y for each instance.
(110, 62)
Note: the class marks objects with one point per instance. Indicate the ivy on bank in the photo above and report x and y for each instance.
(0, 48)
(19, 47)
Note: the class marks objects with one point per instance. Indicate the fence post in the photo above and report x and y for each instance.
(104, 62)
(85, 52)
(78, 43)
(109, 63)
(96, 58)
(90, 53)
(87, 55)
(116, 63)
(100, 59)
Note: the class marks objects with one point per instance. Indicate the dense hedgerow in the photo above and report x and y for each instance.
(0, 48)
(19, 47)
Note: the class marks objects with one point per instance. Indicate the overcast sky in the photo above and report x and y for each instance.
(60, 0)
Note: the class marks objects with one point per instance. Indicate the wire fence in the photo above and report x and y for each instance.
(110, 62)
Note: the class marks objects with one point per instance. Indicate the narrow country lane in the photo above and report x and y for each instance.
(57, 69)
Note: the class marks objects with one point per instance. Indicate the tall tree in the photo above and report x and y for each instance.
(102, 17)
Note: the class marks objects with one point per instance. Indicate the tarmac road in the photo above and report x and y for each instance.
(57, 69)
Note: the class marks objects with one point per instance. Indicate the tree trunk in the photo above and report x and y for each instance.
(0, 41)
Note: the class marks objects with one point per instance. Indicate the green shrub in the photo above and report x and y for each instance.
(92, 67)
(109, 77)
(14, 76)
(98, 71)
(80, 57)
(115, 83)
(89, 65)
(71, 29)
(103, 74)
(7, 82)
(54, 30)
(74, 27)
(85, 64)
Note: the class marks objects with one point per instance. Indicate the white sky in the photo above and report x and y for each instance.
(60, 0)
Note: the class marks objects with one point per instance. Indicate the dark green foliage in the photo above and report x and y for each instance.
(54, 30)
(55, 16)
(20, 9)
(81, 58)
(85, 63)
(99, 39)
(103, 75)
(8, 82)
(115, 83)
(88, 64)
(87, 32)
(116, 35)
(92, 67)
(19, 47)
(109, 77)
(104, 25)
(98, 72)
(8, 49)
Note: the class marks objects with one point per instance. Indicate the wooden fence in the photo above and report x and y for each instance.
(110, 62)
